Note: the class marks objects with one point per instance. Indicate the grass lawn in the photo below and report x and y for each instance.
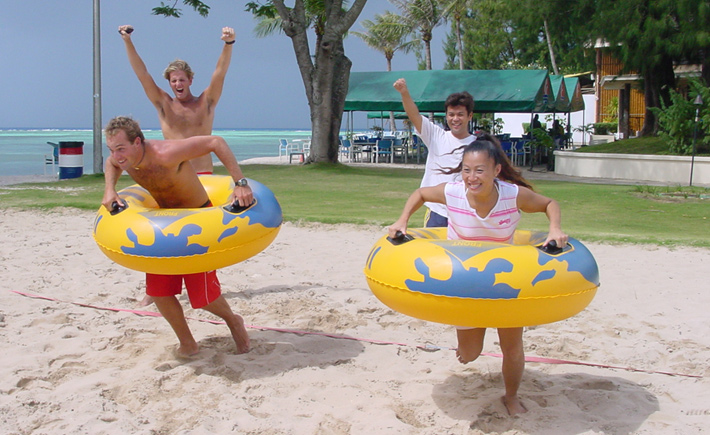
(359, 195)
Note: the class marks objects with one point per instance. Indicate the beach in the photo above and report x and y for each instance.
(327, 357)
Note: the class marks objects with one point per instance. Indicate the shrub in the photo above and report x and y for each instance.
(677, 122)
(494, 126)
(605, 127)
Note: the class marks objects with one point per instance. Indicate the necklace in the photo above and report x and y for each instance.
(141, 160)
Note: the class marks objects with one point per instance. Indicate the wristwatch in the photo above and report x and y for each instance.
(242, 183)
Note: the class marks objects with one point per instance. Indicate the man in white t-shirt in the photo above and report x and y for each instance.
(441, 143)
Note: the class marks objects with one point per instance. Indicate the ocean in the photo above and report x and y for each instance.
(22, 151)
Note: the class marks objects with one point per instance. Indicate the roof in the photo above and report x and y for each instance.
(522, 91)
(569, 93)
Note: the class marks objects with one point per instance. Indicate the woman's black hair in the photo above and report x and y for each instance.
(490, 145)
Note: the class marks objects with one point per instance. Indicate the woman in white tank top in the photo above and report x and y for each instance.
(486, 205)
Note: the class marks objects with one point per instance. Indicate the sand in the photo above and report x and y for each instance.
(68, 368)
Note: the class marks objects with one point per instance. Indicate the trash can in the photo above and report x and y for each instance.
(71, 159)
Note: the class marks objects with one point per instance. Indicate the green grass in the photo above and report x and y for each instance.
(358, 195)
(616, 213)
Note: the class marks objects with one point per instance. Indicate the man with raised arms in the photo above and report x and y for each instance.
(163, 168)
(442, 144)
(184, 115)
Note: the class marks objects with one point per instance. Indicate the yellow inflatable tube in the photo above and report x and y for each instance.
(163, 241)
(481, 284)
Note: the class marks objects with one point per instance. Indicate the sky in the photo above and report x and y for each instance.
(46, 53)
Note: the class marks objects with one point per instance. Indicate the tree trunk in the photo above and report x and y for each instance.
(552, 51)
(393, 124)
(328, 101)
(426, 37)
(459, 43)
(705, 68)
(624, 104)
(326, 80)
(657, 82)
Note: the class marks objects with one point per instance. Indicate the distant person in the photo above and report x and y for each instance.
(535, 124)
(558, 133)
(442, 144)
(162, 168)
(485, 205)
(185, 115)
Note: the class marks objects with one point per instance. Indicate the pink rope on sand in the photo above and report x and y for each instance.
(426, 347)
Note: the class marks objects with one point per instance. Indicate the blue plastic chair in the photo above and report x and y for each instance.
(383, 147)
(507, 149)
(284, 148)
(521, 151)
(350, 150)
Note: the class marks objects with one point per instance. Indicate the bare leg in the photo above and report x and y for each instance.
(511, 344)
(147, 300)
(470, 344)
(170, 308)
(219, 307)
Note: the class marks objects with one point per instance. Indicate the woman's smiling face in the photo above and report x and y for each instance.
(478, 172)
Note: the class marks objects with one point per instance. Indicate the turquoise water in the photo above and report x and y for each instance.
(22, 151)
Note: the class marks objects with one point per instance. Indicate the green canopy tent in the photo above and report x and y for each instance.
(521, 91)
(569, 94)
(574, 90)
(397, 115)
(562, 101)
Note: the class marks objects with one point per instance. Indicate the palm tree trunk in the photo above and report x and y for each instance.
(549, 47)
(459, 43)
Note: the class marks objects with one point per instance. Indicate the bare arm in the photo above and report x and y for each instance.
(409, 106)
(214, 90)
(177, 151)
(152, 91)
(531, 202)
(111, 175)
(415, 201)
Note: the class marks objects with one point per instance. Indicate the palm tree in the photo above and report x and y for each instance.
(387, 34)
(457, 9)
(423, 15)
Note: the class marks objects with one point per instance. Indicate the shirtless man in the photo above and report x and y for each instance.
(162, 167)
(184, 115)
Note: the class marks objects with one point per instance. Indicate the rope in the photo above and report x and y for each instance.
(425, 347)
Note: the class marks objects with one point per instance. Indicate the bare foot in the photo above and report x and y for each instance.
(187, 351)
(461, 359)
(514, 405)
(239, 333)
(147, 300)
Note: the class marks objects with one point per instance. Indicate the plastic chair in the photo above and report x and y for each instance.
(383, 147)
(399, 149)
(49, 160)
(349, 150)
(521, 151)
(284, 148)
(508, 149)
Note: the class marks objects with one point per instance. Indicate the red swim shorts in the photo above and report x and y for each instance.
(202, 288)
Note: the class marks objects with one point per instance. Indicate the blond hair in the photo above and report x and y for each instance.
(178, 65)
(126, 124)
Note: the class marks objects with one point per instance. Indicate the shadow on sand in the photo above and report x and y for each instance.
(557, 404)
